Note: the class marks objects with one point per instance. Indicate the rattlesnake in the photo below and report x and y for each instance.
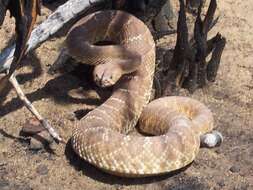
(127, 61)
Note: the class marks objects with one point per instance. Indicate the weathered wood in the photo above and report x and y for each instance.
(33, 110)
(214, 63)
(50, 26)
(189, 63)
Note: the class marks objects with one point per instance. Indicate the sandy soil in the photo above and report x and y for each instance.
(229, 166)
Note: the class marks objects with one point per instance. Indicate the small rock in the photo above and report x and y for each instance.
(35, 145)
(234, 169)
(32, 126)
(42, 170)
(221, 183)
(41, 140)
(211, 140)
(218, 151)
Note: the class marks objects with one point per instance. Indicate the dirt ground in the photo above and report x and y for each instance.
(229, 166)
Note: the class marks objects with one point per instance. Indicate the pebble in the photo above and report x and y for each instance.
(32, 126)
(42, 169)
(219, 151)
(211, 140)
(221, 183)
(234, 169)
(35, 145)
(40, 141)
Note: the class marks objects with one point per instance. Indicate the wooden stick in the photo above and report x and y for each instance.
(33, 110)
(214, 63)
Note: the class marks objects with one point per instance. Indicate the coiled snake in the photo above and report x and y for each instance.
(127, 61)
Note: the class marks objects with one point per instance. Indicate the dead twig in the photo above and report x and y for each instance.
(33, 110)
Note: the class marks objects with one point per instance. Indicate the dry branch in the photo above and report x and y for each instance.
(189, 62)
(50, 26)
(33, 110)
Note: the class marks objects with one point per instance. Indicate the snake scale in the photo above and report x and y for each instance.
(127, 61)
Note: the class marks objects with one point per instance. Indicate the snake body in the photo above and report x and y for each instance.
(127, 61)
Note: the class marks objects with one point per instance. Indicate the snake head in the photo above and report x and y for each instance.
(106, 75)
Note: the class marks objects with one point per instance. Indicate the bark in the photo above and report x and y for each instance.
(189, 65)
